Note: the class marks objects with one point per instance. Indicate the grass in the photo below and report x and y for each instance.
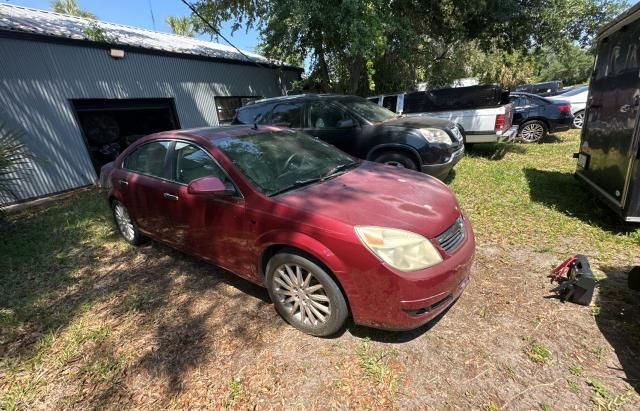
(536, 351)
(375, 363)
(576, 371)
(517, 194)
(86, 321)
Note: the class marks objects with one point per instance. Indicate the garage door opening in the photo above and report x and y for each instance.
(110, 126)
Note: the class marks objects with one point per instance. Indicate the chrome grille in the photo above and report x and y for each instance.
(453, 237)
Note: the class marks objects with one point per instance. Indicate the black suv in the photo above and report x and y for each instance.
(364, 130)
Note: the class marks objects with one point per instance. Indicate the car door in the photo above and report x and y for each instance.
(143, 182)
(332, 123)
(210, 226)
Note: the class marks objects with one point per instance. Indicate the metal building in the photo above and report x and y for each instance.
(81, 90)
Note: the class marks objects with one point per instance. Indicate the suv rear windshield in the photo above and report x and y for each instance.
(368, 110)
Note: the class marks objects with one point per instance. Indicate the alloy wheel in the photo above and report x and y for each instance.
(301, 295)
(578, 120)
(125, 225)
(532, 132)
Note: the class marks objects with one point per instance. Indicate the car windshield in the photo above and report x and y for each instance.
(281, 161)
(368, 110)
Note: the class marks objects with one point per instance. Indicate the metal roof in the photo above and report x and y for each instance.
(47, 23)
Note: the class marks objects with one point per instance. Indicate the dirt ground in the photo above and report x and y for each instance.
(151, 328)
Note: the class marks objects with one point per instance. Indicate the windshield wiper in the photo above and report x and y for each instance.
(338, 169)
(297, 184)
(301, 183)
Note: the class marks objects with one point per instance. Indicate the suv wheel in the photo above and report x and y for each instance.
(305, 295)
(396, 159)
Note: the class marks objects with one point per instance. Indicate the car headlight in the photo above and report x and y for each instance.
(403, 250)
(436, 135)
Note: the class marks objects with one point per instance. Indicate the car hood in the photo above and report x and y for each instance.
(418, 122)
(380, 195)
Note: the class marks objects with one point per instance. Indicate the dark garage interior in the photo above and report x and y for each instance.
(110, 125)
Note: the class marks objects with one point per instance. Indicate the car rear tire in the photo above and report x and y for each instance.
(125, 224)
(396, 159)
(305, 295)
(578, 119)
(532, 131)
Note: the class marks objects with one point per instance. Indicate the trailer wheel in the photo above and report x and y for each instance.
(532, 131)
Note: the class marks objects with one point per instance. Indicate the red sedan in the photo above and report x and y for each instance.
(328, 235)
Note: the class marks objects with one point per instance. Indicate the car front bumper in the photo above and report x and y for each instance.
(442, 170)
(411, 299)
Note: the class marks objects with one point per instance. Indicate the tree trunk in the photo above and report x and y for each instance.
(355, 73)
(325, 81)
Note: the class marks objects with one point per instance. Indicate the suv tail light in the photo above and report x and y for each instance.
(564, 108)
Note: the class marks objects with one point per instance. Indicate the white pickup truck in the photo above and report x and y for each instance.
(484, 111)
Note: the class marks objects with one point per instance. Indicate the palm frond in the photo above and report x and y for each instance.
(15, 160)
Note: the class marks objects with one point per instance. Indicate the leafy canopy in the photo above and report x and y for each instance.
(365, 46)
(71, 8)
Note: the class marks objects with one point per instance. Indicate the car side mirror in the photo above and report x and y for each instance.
(209, 186)
(347, 123)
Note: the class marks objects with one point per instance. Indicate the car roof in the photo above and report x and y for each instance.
(298, 97)
(212, 134)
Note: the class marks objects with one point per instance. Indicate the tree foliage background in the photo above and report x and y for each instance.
(377, 46)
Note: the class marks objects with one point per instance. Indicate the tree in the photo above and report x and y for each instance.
(571, 64)
(367, 46)
(182, 26)
(71, 8)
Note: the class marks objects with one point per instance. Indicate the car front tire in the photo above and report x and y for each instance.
(126, 226)
(393, 158)
(305, 295)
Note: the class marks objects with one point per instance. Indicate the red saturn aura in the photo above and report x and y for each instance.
(328, 235)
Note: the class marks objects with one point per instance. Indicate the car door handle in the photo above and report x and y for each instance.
(171, 197)
(124, 183)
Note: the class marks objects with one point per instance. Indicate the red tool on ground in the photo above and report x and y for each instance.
(575, 279)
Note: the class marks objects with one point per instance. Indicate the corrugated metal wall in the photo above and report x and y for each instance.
(37, 80)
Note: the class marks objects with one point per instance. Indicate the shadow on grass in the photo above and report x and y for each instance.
(564, 193)
(495, 151)
(619, 320)
(550, 139)
(449, 179)
(60, 263)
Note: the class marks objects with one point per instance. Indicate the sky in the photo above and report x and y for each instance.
(139, 13)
